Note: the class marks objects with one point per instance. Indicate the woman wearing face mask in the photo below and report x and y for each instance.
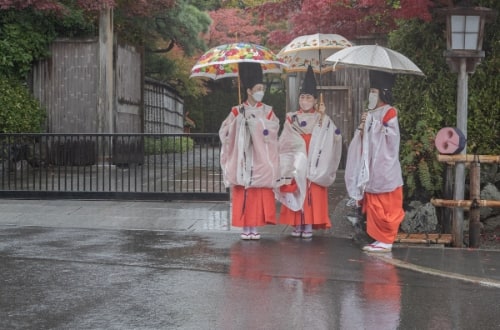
(310, 151)
(373, 172)
(249, 156)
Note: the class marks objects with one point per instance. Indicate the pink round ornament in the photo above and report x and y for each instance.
(449, 141)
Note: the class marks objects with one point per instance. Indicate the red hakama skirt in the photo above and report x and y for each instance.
(252, 207)
(384, 214)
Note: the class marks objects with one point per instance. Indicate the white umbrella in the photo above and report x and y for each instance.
(374, 57)
(311, 50)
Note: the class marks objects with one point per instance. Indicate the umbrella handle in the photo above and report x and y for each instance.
(239, 90)
(321, 108)
(320, 104)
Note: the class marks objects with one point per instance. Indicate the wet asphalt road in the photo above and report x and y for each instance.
(70, 278)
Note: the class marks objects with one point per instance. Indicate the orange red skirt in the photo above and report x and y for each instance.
(384, 214)
(314, 212)
(252, 207)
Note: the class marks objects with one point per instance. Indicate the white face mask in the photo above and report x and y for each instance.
(306, 105)
(372, 100)
(258, 96)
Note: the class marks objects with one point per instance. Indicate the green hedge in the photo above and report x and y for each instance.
(169, 144)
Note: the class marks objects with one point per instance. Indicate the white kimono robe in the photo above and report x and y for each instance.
(319, 165)
(372, 163)
(249, 153)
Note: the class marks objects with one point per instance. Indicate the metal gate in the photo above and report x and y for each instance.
(111, 166)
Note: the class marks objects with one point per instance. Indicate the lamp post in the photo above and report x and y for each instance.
(464, 43)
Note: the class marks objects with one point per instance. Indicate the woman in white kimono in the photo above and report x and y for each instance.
(373, 172)
(310, 151)
(249, 156)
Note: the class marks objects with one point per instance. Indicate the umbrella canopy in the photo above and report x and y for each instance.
(222, 61)
(312, 50)
(374, 57)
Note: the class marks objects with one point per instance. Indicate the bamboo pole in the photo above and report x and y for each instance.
(424, 238)
(474, 214)
(466, 204)
(468, 158)
(458, 204)
(447, 222)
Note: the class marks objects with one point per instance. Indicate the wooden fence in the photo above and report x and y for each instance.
(68, 86)
(475, 202)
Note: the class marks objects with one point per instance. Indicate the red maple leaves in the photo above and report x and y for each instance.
(345, 17)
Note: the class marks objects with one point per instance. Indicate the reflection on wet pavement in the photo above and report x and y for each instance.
(120, 279)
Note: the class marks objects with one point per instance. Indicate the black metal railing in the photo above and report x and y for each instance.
(120, 166)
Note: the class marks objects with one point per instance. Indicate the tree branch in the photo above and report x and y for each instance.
(163, 50)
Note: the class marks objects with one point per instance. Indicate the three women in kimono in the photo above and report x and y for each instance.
(298, 167)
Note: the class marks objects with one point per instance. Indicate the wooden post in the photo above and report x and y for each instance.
(474, 214)
(106, 88)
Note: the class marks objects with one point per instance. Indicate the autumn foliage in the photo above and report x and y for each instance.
(349, 18)
(54, 5)
(232, 25)
(131, 7)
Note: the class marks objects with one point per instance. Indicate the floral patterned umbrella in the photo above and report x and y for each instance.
(312, 50)
(222, 61)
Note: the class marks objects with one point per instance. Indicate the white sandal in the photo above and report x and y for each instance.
(378, 247)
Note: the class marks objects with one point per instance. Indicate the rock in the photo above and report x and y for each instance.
(491, 224)
(343, 218)
(489, 173)
(489, 192)
(420, 218)
(348, 222)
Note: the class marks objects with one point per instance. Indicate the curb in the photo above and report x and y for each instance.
(431, 271)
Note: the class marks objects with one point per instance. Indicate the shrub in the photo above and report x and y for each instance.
(20, 112)
(168, 144)
(422, 172)
(24, 38)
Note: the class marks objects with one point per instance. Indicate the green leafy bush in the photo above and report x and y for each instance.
(169, 144)
(24, 37)
(422, 172)
(425, 105)
(20, 112)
